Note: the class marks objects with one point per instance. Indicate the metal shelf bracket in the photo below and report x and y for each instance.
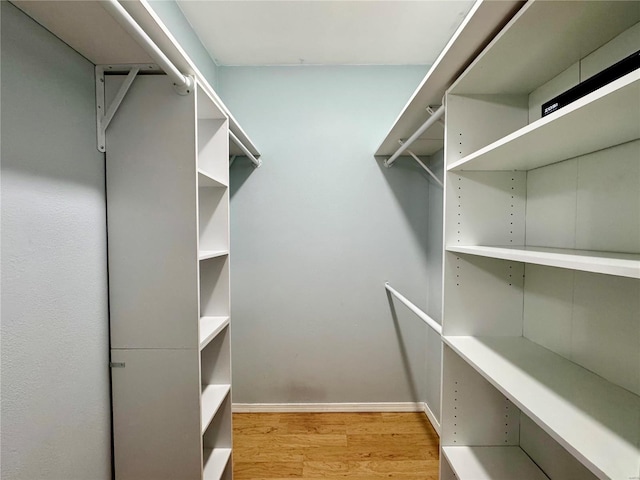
(104, 113)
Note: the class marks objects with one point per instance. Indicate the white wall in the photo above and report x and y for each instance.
(315, 233)
(55, 410)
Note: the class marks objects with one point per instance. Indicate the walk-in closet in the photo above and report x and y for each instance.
(340, 239)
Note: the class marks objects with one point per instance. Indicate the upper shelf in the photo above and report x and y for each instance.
(521, 59)
(608, 263)
(607, 117)
(90, 30)
(483, 21)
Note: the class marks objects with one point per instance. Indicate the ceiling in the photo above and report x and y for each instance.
(325, 32)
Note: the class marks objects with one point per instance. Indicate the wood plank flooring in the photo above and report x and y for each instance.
(356, 446)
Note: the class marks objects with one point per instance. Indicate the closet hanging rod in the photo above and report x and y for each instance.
(182, 83)
(423, 316)
(245, 150)
(430, 121)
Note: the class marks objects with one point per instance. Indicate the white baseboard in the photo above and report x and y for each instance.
(432, 418)
(337, 407)
(327, 407)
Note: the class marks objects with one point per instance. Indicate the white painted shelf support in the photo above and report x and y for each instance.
(256, 162)
(431, 111)
(426, 169)
(437, 115)
(105, 114)
(423, 316)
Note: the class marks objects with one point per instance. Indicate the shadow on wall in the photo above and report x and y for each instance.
(405, 170)
(239, 172)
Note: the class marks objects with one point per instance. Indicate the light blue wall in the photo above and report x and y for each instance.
(318, 229)
(55, 332)
(171, 15)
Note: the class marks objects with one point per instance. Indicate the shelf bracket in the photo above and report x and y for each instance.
(431, 111)
(256, 162)
(437, 115)
(426, 169)
(104, 113)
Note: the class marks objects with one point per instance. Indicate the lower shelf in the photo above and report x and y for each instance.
(593, 419)
(212, 398)
(214, 462)
(492, 463)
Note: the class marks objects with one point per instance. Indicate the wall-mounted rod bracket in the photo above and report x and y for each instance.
(423, 128)
(431, 111)
(256, 163)
(104, 113)
(182, 83)
(423, 316)
(427, 169)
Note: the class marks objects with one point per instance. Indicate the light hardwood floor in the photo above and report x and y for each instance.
(356, 446)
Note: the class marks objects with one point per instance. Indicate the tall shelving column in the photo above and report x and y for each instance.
(168, 231)
(214, 308)
(541, 363)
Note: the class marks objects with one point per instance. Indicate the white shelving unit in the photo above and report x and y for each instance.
(167, 162)
(168, 228)
(541, 327)
(478, 28)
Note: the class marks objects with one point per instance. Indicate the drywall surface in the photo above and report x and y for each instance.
(55, 410)
(171, 15)
(315, 233)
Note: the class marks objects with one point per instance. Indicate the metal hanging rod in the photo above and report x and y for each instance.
(182, 83)
(427, 169)
(423, 316)
(430, 121)
(245, 150)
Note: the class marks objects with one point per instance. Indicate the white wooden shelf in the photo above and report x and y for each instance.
(607, 117)
(609, 263)
(207, 254)
(211, 399)
(593, 419)
(214, 462)
(206, 180)
(492, 463)
(476, 30)
(210, 327)
(543, 40)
